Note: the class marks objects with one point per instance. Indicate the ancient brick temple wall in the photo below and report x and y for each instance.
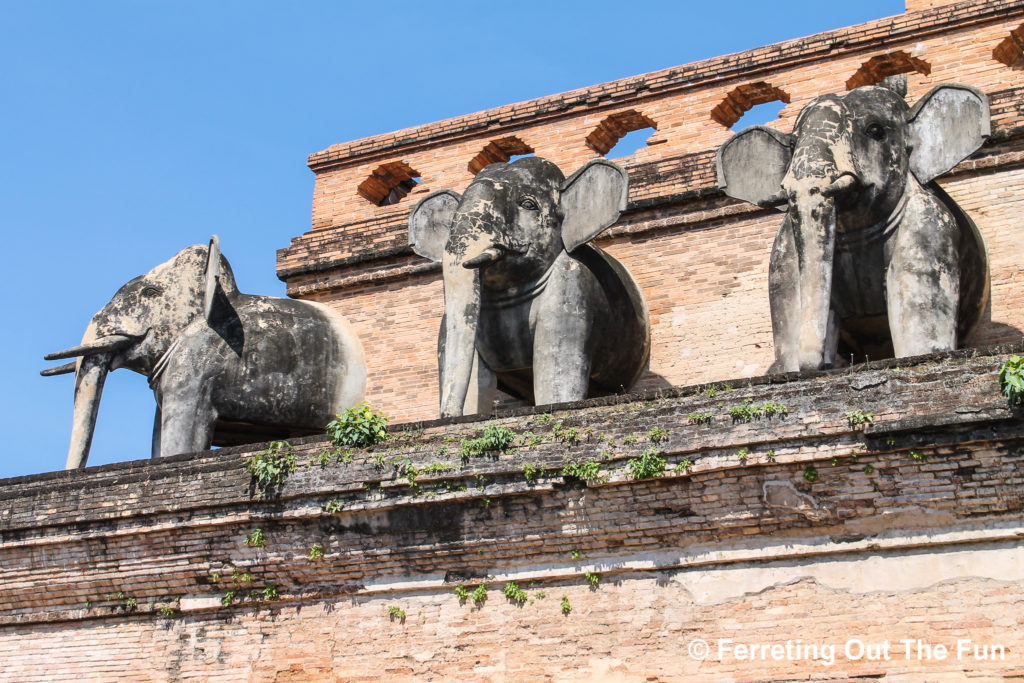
(700, 257)
(795, 529)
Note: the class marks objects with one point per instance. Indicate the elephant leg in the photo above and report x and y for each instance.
(562, 345)
(483, 386)
(186, 424)
(923, 281)
(784, 300)
(155, 450)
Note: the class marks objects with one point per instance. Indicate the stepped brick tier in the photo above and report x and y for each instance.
(805, 526)
(700, 257)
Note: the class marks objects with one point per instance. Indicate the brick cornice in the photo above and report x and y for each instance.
(869, 35)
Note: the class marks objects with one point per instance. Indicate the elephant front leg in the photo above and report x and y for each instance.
(187, 419)
(563, 344)
(923, 282)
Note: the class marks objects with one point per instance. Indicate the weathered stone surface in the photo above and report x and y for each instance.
(529, 305)
(218, 361)
(870, 259)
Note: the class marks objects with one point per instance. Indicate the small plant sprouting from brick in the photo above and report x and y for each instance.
(334, 506)
(743, 454)
(683, 466)
(255, 538)
(228, 597)
(495, 438)
(585, 471)
(271, 467)
(566, 607)
(747, 411)
(811, 474)
(167, 612)
(396, 613)
(632, 438)
(532, 471)
(657, 435)
(270, 592)
(575, 554)
(461, 593)
(479, 595)
(592, 578)
(438, 468)
(854, 457)
(567, 435)
(649, 464)
(316, 551)
(700, 418)
(868, 469)
(241, 577)
(916, 455)
(770, 455)
(358, 426)
(713, 390)
(858, 418)
(1011, 380)
(514, 593)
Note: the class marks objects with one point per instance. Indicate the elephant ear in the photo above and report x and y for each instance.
(945, 127)
(430, 221)
(592, 200)
(211, 276)
(752, 163)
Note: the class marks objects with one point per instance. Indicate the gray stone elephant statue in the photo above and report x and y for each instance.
(217, 359)
(873, 258)
(528, 303)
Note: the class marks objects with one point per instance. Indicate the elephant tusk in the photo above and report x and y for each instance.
(60, 370)
(489, 256)
(103, 345)
(839, 185)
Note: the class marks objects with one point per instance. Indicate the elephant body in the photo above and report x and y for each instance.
(872, 259)
(529, 305)
(222, 364)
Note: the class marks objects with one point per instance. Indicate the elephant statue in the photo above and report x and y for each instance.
(872, 258)
(220, 362)
(529, 305)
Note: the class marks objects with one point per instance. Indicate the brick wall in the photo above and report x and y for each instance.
(701, 258)
(910, 530)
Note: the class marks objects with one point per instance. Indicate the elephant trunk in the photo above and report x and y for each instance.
(821, 169)
(462, 259)
(95, 356)
(89, 378)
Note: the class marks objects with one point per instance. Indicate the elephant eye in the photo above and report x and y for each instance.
(529, 203)
(150, 291)
(875, 131)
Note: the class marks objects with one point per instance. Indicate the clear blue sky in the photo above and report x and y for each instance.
(129, 130)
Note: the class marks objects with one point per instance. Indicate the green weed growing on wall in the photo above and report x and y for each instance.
(358, 426)
(1011, 379)
(271, 467)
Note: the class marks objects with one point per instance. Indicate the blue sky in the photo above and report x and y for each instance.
(130, 129)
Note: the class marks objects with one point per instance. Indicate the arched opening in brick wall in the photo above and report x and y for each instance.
(498, 151)
(1011, 50)
(389, 183)
(605, 139)
(744, 99)
(880, 67)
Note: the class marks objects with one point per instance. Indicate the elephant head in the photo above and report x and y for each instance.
(498, 245)
(867, 239)
(138, 327)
